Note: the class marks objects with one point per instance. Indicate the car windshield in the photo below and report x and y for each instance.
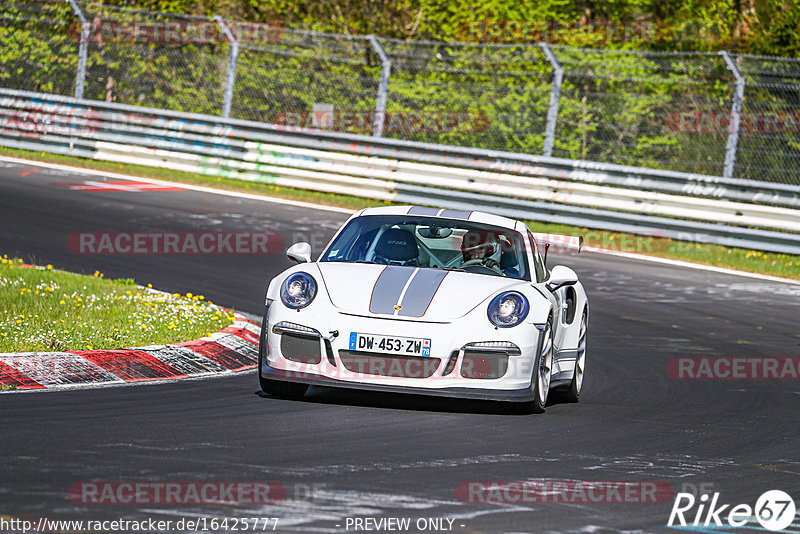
(430, 242)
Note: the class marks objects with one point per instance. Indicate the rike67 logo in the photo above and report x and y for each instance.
(774, 511)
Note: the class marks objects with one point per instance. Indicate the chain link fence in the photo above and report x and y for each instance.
(490, 96)
(716, 114)
(281, 80)
(640, 108)
(181, 70)
(769, 133)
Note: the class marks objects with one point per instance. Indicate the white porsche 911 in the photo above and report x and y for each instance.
(429, 301)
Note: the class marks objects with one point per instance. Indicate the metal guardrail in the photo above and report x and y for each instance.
(692, 207)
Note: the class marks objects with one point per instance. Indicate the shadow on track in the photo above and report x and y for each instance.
(410, 402)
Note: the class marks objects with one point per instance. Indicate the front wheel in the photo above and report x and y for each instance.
(276, 388)
(542, 370)
(574, 392)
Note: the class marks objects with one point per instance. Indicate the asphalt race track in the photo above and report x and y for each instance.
(345, 454)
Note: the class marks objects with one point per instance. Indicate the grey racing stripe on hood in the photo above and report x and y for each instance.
(419, 210)
(455, 214)
(420, 292)
(388, 288)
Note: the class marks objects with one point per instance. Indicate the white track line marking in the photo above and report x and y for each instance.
(262, 198)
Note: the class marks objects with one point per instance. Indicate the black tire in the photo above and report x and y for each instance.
(276, 388)
(537, 405)
(573, 393)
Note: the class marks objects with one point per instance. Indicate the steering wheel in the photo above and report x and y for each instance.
(483, 262)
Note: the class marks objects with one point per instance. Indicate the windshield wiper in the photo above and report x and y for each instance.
(352, 261)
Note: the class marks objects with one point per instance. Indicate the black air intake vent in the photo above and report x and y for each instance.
(301, 349)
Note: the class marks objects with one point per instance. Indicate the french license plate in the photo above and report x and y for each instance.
(409, 346)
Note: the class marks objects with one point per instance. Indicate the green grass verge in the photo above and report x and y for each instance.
(783, 265)
(44, 309)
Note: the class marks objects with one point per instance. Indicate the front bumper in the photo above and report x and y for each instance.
(511, 395)
(329, 369)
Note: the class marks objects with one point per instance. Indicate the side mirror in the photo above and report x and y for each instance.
(299, 252)
(561, 276)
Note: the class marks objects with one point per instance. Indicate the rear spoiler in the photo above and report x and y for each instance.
(559, 244)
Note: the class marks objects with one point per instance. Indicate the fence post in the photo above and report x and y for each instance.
(555, 97)
(383, 86)
(83, 49)
(230, 73)
(736, 111)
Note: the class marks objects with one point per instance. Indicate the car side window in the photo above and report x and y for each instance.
(541, 270)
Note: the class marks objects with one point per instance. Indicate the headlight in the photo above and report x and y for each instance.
(508, 309)
(298, 290)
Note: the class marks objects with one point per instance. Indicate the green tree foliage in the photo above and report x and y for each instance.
(38, 48)
(478, 82)
(770, 27)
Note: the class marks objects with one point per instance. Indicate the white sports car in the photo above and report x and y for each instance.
(429, 301)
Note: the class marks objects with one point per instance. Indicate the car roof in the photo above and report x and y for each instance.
(464, 215)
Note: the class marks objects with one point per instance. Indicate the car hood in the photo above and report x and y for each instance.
(408, 292)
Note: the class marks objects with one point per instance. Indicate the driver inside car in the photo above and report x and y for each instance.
(478, 249)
